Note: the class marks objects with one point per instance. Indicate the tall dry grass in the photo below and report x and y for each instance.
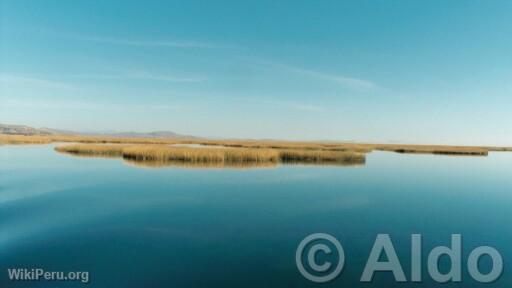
(436, 149)
(159, 154)
(92, 150)
(321, 157)
(274, 144)
(260, 144)
(44, 139)
(22, 139)
(251, 144)
(205, 155)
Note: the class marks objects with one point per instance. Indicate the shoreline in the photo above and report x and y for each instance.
(259, 145)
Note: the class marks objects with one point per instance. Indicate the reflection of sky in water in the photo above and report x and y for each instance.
(237, 227)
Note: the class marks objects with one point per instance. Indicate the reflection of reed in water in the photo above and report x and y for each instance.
(210, 165)
(235, 165)
(163, 155)
(325, 164)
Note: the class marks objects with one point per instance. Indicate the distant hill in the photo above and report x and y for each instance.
(23, 130)
(27, 130)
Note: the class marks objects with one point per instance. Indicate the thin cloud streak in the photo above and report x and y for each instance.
(292, 105)
(354, 83)
(142, 75)
(345, 81)
(11, 79)
(148, 43)
(81, 105)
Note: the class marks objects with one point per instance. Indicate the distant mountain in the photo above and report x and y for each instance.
(23, 130)
(27, 130)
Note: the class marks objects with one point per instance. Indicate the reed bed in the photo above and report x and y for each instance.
(203, 155)
(22, 139)
(258, 144)
(45, 139)
(250, 144)
(272, 144)
(435, 149)
(499, 149)
(321, 157)
(159, 155)
(92, 150)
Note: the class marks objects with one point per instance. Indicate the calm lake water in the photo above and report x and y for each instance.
(180, 227)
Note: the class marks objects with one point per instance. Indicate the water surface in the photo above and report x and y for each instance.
(191, 227)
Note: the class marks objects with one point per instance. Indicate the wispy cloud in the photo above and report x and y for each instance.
(291, 105)
(141, 75)
(83, 105)
(148, 43)
(350, 82)
(127, 41)
(52, 105)
(343, 80)
(10, 79)
(161, 77)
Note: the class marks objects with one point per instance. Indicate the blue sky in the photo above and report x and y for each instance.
(378, 71)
